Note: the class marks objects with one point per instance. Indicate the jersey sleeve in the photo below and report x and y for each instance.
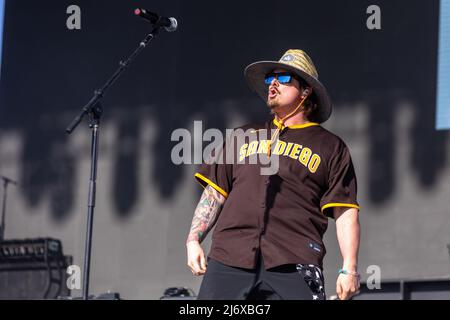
(216, 172)
(342, 187)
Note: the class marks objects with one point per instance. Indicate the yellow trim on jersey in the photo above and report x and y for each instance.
(212, 184)
(337, 204)
(297, 126)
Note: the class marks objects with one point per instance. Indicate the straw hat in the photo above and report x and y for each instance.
(295, 61)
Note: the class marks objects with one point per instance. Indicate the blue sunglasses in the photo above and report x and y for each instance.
(282, 77)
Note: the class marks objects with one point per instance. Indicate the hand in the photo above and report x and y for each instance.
(196, 258)
(347, 286)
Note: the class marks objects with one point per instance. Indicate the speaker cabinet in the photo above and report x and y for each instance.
(29, 280)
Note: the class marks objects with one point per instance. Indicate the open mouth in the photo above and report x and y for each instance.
(273, 93)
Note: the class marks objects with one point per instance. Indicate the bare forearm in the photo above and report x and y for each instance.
(205, 214)
(348, 235)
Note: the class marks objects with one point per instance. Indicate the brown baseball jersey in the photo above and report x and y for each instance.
(283, 215)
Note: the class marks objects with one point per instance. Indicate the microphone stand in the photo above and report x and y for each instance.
(6, 181)
(95, 110)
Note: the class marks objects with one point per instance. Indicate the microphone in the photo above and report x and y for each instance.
(170, 24)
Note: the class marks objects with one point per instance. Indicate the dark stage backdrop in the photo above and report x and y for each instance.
(383, 85)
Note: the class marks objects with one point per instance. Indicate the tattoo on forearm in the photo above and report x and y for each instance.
(206, 214)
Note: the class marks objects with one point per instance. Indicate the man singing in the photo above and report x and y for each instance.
(268, 236)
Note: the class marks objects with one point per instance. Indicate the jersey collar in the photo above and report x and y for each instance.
(296, 126)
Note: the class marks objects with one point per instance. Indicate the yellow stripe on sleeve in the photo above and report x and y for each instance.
(337, 204)
(212, 184)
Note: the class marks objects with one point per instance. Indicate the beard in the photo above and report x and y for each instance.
(273, 104)
(277, 108)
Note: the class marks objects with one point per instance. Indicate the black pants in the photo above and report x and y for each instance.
(287, 282)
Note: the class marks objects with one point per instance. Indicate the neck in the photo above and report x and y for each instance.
(292, 115)
(298, 118)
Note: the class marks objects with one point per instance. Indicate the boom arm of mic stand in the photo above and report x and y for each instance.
(98, 94)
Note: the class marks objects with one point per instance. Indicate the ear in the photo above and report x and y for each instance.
(306, 92)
